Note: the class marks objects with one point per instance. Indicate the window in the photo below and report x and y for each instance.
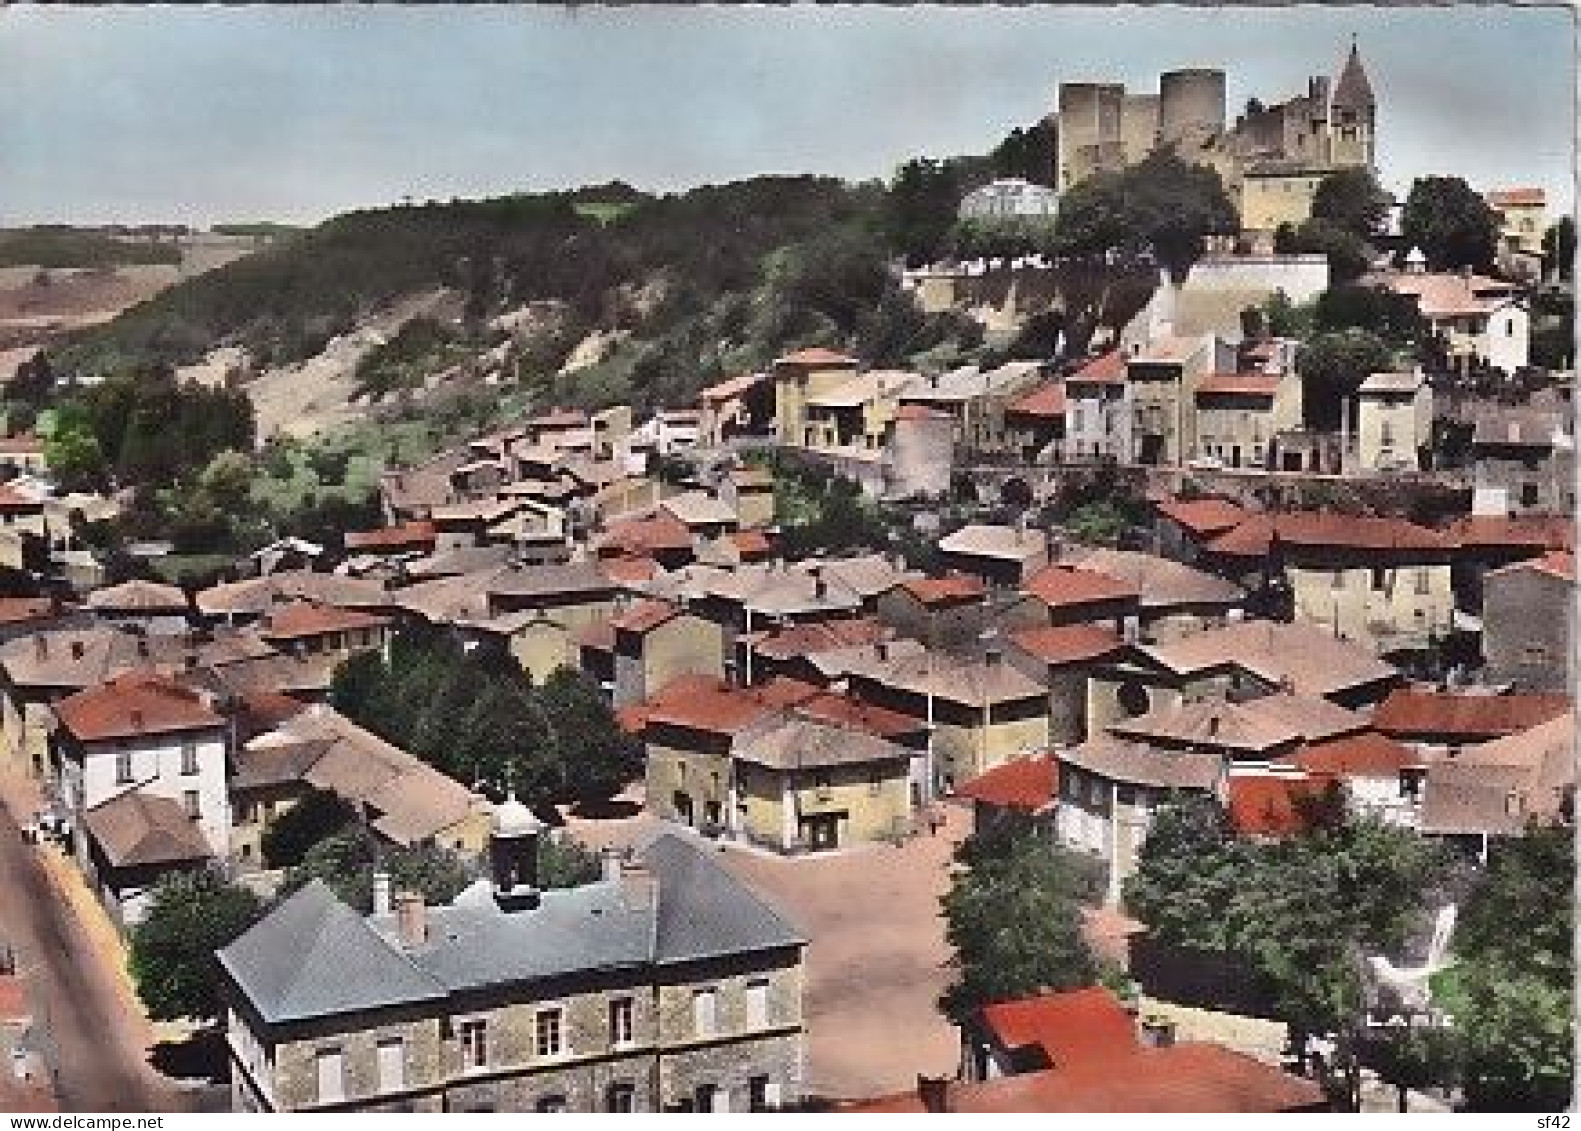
(392, 1065)
(620, 1021)
(190, 803)
(709, 1098)
(550, 1105)
(246, 812)
(762, 1094)
(189, 757)
(820, 785)
(758, 1003)
(1424, 581)
(123, 767)
(474, 1045)
(547, 1031)
(680, 772)
(331, 1076)
(621, 1097)
(1339, 579)
(1380, 577)
(705, 1008)
(1528, 494)
(1386, 433)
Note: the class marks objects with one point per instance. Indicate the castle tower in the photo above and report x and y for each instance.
(1352, 115)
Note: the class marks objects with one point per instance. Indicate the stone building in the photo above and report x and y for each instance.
(1524, 460)
(1394, 421)
(667, 985)
(1528, 623)
(1009, 198)
(797, 376)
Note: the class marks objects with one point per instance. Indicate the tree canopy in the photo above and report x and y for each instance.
(1352, 200)
(190, 915)
(1451, 223)
(1332, 366)
(1014, 921)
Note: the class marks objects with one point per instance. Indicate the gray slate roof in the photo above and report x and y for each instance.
(314, 956)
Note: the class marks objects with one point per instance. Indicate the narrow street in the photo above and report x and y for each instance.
(95, 1043)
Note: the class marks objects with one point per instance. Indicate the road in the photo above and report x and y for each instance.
(99, 1047)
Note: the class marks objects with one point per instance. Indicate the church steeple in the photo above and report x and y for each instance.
(1353, 91)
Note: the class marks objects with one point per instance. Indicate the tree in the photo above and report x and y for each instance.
(1346, 251)
(1188, 874)
(1027, 153)
(564, 862)
(1332, 368)
(1353, 201)
(1559, 249)
(921, 207)
(348, 859)
(190, 916)
(74, 457)
(1015, 924)
(1413, 1057)
(1451, 223)
(597, 759)
(227, 481)
(316, 816)
(1284, 319)
(1392, 317)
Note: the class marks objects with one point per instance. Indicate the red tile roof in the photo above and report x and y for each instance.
(843, 710)
(13, 500)
(706, 703)
(1517, 198)
(406, 536)
(24, 444)
(1106, 370)
(1555, 563)
(1067, 643)
(820, 636)
(13, 999)
(729, 387)
(656, 533)
(816, 355)
(1203, 516)
(751, 543)
(644, 617)
(919, 412)
(1059, 586)
(1026, 785)
(945, 590)
(1075, 1027)
(138, 703)
(598, 634)
(1364, 755)
(1239, 384)
(1187, 1077)
(627, 569)
(1269, 805)
(1047, 399)
(304, 618)
(1254, 537)
(1407, 714)
(1537, 531)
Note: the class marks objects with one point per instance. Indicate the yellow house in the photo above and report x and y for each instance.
(1523, 218)
(856, 414)
(1394, 421)
(797, 376)
(649, 645)
(21, 522)
(1162, 379)
(803, 783)
(1239, 414)
(1273, 194)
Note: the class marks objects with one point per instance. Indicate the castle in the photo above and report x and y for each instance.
(1271, 159)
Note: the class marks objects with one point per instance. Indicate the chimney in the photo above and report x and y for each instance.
(934, 1092)
(383, 900)
(639, 887)
(411, 917)
(609, 860)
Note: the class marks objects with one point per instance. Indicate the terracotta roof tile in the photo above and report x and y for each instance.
(1517, 198)
(1364, 755)
(1070, 1028)
(853, 713)
(820, 636)
(1203, 517)
(944, 590)
(751, 543)
(1423, 714)
(655, 533)
(1238, 384)
(138, 595)
(816, 355)
(406, 536)
(1047, 400)
(920, 412)
(13, 610)
(730, 387)
(1254, 537)
(1027, 785)
(1108, 369)
(1063, 586)
(137, 703)
(1272, 804)
(644, 617)
(1067, 644)
(598, 635)
(13, 500)
(1540, 532)
(1162, 583)
(628, 570)
(304, 618)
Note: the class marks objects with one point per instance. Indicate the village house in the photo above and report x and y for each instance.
(24, 534)
(411, 493)
(306, 628)
(981, 711)
(1394, 422)
(144, 605)
(1185, 525)
(23, 454)
(1240, 660)
(1063, 658)
(797, 651)
(1013, 795)
(1239, 415)
(1035, 424)
(1163, 379)
(417, 537)
(749, 491)
(646, 645)
(1065, 594)
(1488, 542)
(1173, 599)
(666, 985)
(1528, 623)
(1441, 723)
(1375, 775)
(856, 415)
(742, 405)
(947, 613)
(1383, 581)
(976, 400)
(401, 799)
(1098, 411)
(659, 535)
(141, 764)
(1003, 556)
(1524, 461)
(797, 376)
(1523, 221)
(245, 602)
(1502, 787)
(703, 515)
(1482, 321)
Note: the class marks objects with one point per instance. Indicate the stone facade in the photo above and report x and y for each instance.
(1528, 624)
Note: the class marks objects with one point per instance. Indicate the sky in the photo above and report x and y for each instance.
(206, 114)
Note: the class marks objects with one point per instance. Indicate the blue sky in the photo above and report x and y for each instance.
(205, 114)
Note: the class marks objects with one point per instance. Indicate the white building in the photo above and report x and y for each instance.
(1394, 420)
(1007, 199)
(1098, 411)
(1481, 320)
(142, 769)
